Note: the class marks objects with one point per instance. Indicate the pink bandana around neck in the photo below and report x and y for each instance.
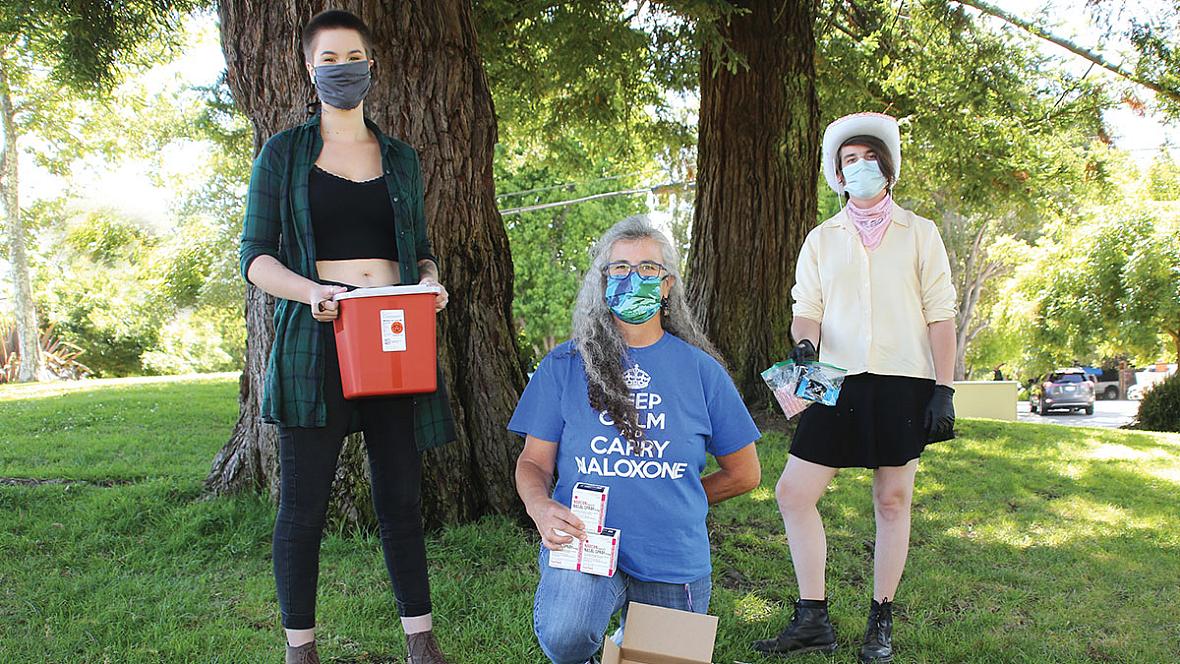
(871, 222)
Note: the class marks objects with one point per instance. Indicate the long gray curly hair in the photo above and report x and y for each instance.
(596, 335)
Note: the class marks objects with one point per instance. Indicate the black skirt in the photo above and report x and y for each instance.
(877, 421)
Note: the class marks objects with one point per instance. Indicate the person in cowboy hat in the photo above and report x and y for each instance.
(873, 294)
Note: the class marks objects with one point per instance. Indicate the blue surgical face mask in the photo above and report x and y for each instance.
(634, 299)
(863, 179)
(345, 85)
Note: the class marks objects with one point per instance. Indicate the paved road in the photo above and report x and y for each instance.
(1109, 414)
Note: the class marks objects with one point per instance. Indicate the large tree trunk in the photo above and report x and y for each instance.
(756, 186)
(429, 90)
(27, 332)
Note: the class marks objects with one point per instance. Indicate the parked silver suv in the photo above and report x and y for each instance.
(1064, 389)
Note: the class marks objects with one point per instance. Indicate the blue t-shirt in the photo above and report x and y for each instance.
(688, 407)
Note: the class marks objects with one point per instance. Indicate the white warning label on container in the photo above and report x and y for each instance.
(393, 330)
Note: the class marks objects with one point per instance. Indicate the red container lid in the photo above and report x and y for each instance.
(417, 289)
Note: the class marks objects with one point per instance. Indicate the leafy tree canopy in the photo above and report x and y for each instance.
(84, 43)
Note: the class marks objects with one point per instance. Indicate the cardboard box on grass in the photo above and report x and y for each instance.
(655, 635)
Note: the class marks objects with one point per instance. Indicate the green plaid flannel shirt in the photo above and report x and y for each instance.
(278, 223)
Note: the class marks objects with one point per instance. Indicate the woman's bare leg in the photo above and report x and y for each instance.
(798, 491)
(893, 493)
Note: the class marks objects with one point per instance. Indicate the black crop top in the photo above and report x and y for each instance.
(350, 219)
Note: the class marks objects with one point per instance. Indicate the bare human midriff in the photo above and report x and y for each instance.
(362, 272)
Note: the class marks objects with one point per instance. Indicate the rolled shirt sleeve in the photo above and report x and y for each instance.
(939, 300)
(262, 222)
(807, 293)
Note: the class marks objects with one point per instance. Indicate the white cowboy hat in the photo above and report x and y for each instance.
(877, 125)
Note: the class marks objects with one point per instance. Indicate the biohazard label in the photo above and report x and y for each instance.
(393, 330)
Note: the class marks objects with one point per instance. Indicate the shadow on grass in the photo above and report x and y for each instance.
(1028, 546)
(1025, 548)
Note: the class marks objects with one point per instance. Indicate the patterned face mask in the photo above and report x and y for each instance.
(634, 299)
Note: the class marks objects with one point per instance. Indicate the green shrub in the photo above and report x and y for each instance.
(1160, 409)
(199, 341)
(105, 314)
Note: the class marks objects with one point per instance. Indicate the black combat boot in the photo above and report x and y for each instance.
(878, 644)
(810, 630)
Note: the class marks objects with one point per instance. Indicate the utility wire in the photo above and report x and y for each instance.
(659, 188)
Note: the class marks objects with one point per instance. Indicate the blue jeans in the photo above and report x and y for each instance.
(571, 609)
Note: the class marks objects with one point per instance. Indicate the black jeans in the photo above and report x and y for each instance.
(307, 466)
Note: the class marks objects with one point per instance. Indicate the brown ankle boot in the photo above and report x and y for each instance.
(424, 649)
(304, 654)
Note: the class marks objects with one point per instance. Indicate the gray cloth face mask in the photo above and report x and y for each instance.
(343, 86)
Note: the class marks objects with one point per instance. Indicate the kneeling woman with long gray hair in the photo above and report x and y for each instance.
(634, 402)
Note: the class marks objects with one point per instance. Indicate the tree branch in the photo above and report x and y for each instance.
(972, 285)
(1096, 58)
(823, 29)
(993, 269)
(976, 329)
(840, 26)
(638, 8)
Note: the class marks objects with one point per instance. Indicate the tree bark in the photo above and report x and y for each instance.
(430, 90)
(756, 186)
(27, 332)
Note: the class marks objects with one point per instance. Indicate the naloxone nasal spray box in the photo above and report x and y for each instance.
(588, 503)
(600, 553)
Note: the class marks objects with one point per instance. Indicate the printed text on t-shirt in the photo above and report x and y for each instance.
(613, 455)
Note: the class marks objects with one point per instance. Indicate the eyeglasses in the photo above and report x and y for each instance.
(646, 269)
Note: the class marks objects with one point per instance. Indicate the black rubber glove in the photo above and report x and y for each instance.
(804, 351)
(940, 414)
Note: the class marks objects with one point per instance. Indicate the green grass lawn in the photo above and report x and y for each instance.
(1031, 544)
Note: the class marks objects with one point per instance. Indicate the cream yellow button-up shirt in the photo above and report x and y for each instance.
(873, 307)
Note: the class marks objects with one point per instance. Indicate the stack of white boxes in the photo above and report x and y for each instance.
(599, 553)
